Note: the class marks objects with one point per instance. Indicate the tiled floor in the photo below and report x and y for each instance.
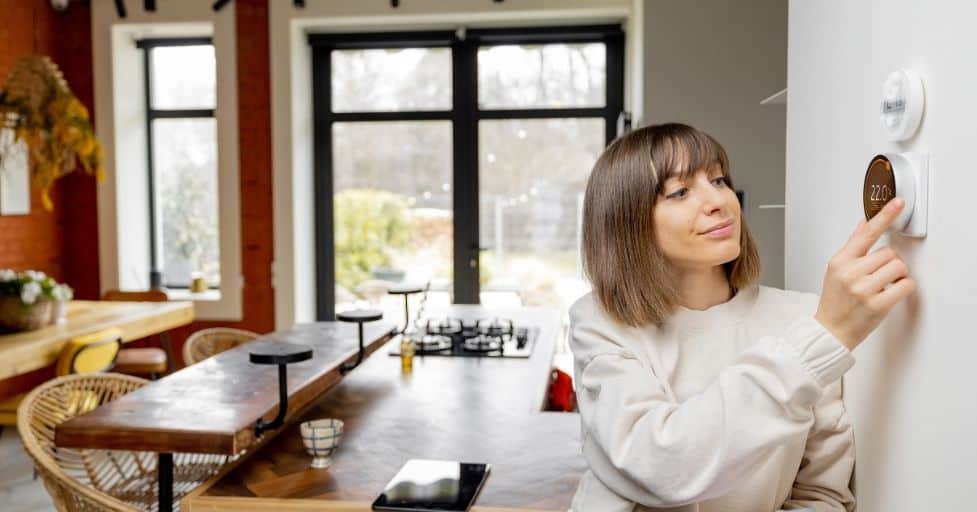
(19, 492)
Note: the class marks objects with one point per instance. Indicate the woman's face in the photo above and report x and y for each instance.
(687, 209)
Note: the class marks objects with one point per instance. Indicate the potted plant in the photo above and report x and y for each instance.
(27, 299)
(40, 109)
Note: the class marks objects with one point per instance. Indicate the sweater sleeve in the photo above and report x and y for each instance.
(658, 453)
(822, 481)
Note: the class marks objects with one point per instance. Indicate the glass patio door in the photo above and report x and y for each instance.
(458, 160)
(543, 121)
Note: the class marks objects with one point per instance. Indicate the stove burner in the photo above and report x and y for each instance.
(497, 328)
(428, 343)
(446, 327)
(483, 343)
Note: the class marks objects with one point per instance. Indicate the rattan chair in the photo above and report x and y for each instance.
(91, 353)
(210, 342)
(98, 480)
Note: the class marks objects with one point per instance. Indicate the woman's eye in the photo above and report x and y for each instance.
(678, 193)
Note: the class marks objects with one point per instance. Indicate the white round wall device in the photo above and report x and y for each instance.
(903, 101)
(893, 175)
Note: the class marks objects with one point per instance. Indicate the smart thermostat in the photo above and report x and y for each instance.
(892, 175)
(902, 104)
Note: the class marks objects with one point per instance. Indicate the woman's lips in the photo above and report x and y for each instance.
(720, 232)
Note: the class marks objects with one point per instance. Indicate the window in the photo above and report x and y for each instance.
(459, 162)
(181, 85)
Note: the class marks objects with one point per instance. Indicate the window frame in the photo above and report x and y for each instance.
(156, 275)
(465, 115)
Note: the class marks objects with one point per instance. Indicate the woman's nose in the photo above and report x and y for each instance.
(713, 198)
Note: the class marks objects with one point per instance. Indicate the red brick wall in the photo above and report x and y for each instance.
(79, 218)
(254, 115)
(34, 241)
(63, 242)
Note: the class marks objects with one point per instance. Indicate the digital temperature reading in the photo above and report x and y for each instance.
(902, 175)
(880, 186)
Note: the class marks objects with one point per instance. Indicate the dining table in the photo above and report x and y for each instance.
(24, 352)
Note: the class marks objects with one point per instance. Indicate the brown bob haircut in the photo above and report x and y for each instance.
(630, 276)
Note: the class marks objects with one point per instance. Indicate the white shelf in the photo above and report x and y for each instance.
(779, 98)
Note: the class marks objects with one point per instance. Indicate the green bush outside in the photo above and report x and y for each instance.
(375, 228)
(370, 226)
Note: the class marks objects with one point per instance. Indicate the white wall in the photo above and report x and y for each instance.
(910, 394)
(708, 63)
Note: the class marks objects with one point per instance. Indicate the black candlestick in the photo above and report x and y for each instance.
(359, 316)
(406, 290)
(282, 354)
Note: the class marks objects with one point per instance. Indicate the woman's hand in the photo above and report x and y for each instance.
(859, 289)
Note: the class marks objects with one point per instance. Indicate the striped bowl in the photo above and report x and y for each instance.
(321, 437)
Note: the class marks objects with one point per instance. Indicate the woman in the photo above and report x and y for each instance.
(698, 389)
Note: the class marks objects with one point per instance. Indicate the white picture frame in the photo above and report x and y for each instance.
(15, 187)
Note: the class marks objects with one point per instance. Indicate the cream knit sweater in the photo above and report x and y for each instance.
(736, 408)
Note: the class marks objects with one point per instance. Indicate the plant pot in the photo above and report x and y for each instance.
(16, 316)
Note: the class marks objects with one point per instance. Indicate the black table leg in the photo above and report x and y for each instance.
(164, 473)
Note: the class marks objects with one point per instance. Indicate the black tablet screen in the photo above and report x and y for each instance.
(433, 485)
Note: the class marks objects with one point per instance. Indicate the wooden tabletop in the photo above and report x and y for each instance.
(450, 408)
(28, 351)
(212, 406)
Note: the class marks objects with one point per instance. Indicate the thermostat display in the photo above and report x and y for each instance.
(904, 175)
(880, 186)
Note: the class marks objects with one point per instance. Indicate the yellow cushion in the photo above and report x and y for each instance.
(8, 409)
(91, 353)
(80, 401)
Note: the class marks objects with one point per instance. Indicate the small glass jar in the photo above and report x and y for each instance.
(198, 283)
(406, 354)
(59, 312)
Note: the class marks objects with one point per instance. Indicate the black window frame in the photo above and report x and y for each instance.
(156, 274)
(465, 115)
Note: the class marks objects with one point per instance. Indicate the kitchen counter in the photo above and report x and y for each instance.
(452, 408)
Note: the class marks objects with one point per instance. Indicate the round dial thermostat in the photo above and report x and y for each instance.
(894, 175)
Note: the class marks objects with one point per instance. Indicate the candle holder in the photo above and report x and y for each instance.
(406, 290)
(360, 316)
(281, 354)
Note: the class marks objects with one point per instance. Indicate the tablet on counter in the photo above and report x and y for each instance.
(433, 486)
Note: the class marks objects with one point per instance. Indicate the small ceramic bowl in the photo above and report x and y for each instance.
(321, 437)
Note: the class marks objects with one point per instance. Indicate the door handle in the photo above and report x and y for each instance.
(476, 251)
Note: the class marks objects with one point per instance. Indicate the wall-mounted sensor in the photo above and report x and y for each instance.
(902, 104)
(904, 175)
